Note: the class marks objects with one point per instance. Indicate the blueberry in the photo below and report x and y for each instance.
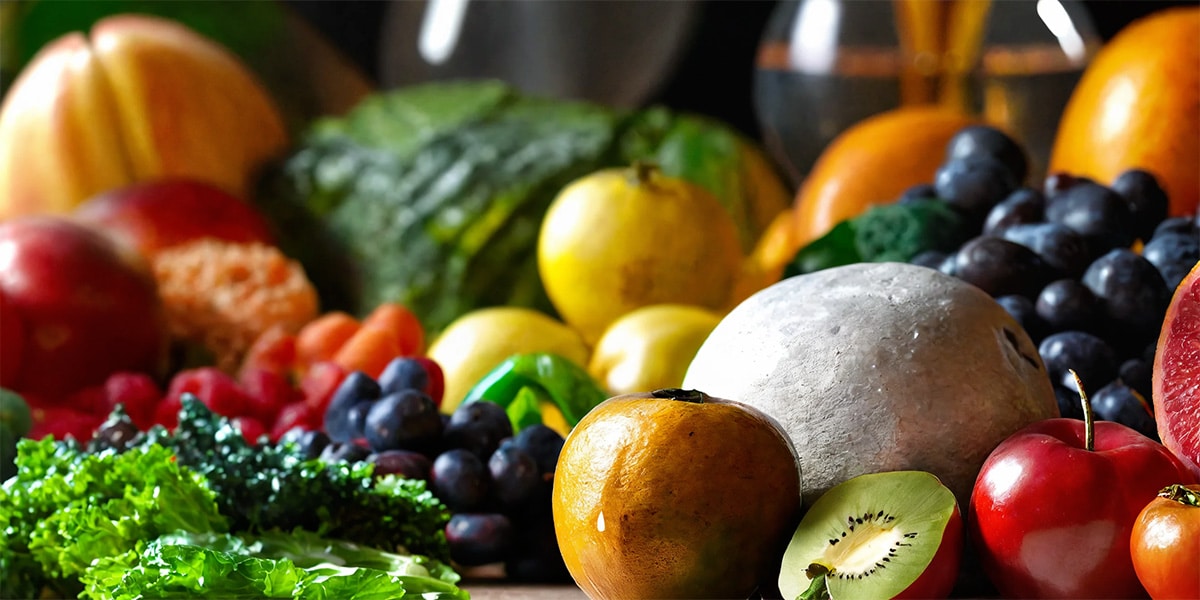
(344, 452)
(1068, 304)
(1000, 267)
(515, 477)
(1133, 296)
(1057, 183)
(1070, 405)
(1088, 355)
(1026, 205)
(541, 442)
(310, 442)
(919, 192)
(356, 420)
(974, 185)
(989, 142)
(949, 265)
(405, 420)
(404, 463)
(1174, 255)
(404, 373)
(356, 387)
(1024, 312)
(929, 258)
(1064, 250)
(1138, 373)
(460, 480)
(479, 539)
(478, 426)
(1174, 225)
(1096, 212)
(1147, 200)
(1120, 403)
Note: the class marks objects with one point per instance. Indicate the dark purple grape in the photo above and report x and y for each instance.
(478, 426)
(1147, 200)
(919, 192)
(929, 258)
(1133, 295)
(356, 420)
(1096, 212)
(1024, 206)
(404, 420)
(1174, 225)
(1000, 267)
(479, 538)
(1060, 247)
(542, 443)
(344, 452)
(310, 442)
(114, 434)
(515, 477)
(1068, 304)
(1057, 183)
(1024, 312)
(356, 387)
(460, 480)
(989, 142)
(405, 463)
(974, 185)
(1138, 373)
(1119, 403)
(949, 265)
(1174, 255)
(1070, 405)
(404, 373)
(535, 556)
(1090, 356)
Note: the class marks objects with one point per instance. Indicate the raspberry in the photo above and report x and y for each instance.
(217, 390)
(319, 383)
(437, 379)
(167, 412)
(268, 392)
(63, 423)
(137, 392)
(251, 428)
(296, 414)
(92, 400)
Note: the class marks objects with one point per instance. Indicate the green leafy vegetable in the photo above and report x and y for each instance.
(264, 487)
(65, 508)
(298, 564)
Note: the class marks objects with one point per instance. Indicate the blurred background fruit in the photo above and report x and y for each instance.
(138, 98)
(1137, 107)
(650, 348)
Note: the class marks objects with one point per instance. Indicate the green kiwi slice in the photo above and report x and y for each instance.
(871, 536)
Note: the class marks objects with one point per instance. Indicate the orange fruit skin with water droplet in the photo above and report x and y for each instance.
(1138, 106)
(667, 498)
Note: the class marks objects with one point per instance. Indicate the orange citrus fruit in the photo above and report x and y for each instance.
(873, 162)
(1138, 106)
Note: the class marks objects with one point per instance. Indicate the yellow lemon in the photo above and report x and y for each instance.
(620, 239)
(480, 340)
(650, 348)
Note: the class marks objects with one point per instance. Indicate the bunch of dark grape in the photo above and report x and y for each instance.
(1087, 269)
(496, 482)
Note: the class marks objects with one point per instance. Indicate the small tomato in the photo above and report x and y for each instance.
(1166, 542)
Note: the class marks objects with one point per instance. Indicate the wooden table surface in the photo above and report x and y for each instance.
(494, 590)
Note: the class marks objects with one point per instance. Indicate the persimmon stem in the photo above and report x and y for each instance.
(642, 171)
(1089, 419)
(693, 396)
(1181, 494)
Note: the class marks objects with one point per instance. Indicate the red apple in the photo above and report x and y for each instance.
(86, 306)
(1055, 503)
(158, 214)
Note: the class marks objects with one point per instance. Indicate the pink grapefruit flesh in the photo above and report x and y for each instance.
(1177, 373)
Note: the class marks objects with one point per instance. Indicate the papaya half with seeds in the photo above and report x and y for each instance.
(675, 494)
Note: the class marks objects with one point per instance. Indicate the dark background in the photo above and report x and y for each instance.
(715, 75)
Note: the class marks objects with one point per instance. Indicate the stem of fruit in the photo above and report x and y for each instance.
(817, 590)
(1089, 419)
(642, 171)
(693, 396)
(1181, 494)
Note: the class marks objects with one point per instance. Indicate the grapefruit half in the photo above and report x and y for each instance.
(1177, 373)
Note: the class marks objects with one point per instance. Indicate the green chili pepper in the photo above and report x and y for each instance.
(522, 382)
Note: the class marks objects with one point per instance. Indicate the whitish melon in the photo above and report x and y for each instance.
(879, 367)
